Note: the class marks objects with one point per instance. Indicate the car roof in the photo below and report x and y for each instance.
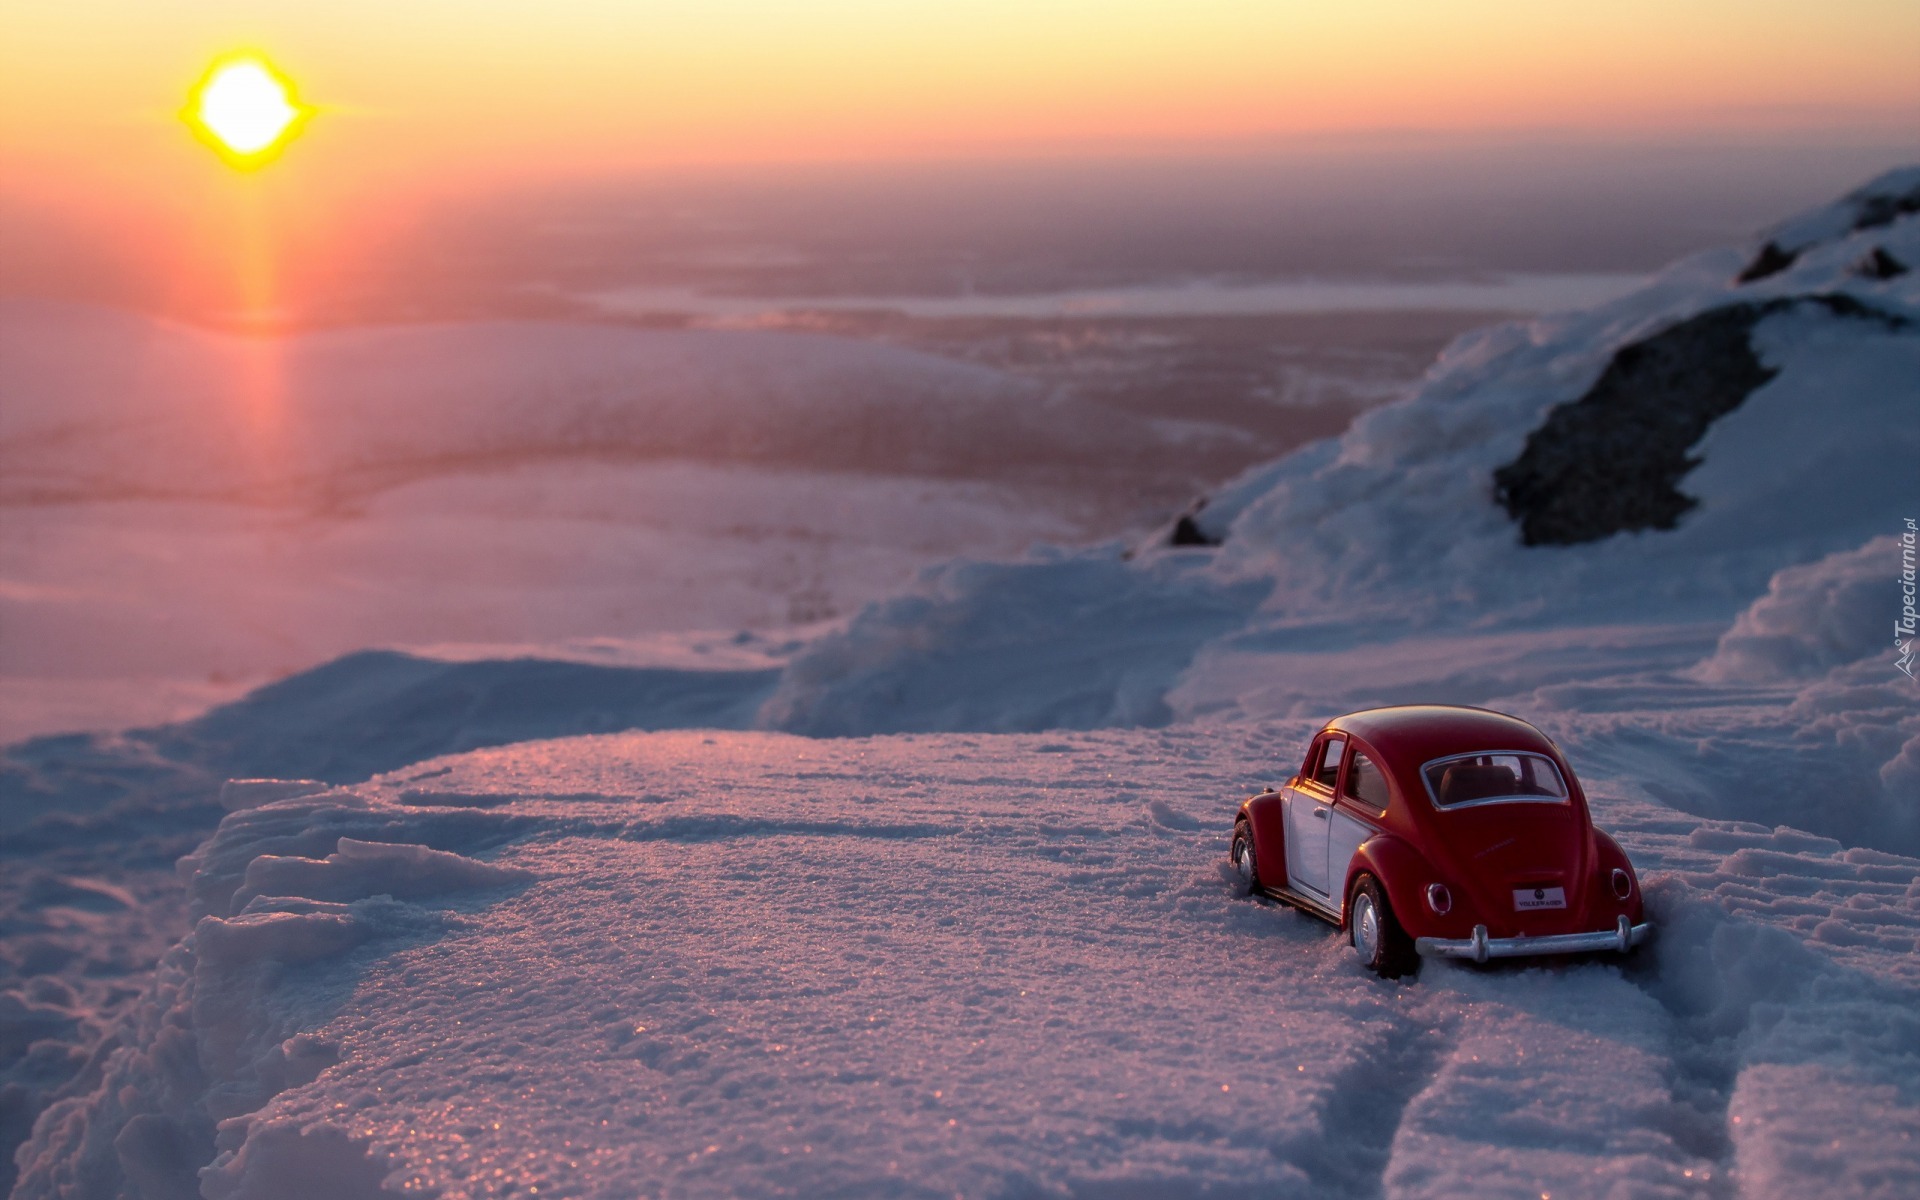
(1417, 733)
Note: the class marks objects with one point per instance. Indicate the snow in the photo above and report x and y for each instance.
(357, 869)
(961, 650)
(1870, 207)
(1386, 571)
(190, 515)
(1813, 619)
(748, 963)
(932, 901)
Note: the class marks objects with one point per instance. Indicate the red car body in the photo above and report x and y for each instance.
(1439, 830)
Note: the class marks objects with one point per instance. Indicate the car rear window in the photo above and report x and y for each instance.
(1495, 778)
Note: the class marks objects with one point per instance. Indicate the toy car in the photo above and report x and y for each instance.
(1436, 830)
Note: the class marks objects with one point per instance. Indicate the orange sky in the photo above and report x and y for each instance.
(434, 86)
(422, 95)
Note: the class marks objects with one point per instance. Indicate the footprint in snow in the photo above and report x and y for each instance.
(1169, 817)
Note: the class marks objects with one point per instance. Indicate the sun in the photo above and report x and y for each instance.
(245, 109)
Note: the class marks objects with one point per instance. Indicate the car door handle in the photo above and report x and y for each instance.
(1321, 813)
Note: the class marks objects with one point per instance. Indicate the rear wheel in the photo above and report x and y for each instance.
(1240, 855)
(1378, 941)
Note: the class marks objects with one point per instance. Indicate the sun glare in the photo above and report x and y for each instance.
(245, 109)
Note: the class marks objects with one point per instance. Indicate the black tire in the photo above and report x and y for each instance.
(1240, 856)
(1375, 934)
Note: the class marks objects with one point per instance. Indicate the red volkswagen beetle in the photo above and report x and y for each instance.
(1435, 830)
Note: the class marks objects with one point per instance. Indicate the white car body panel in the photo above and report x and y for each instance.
(1308, 817)
(1343, 838)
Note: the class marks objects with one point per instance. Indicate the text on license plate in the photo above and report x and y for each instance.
(1531, 898)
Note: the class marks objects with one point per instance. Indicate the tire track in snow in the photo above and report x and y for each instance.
(720, 827)
(1776, 946)
(1705, 1068)
(1749, 1003)
(1559, 1079)
(1346, 1155)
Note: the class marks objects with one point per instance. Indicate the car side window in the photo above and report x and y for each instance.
(1366, 783)
(1328, 768)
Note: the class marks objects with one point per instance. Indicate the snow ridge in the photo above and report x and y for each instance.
(210, 1043)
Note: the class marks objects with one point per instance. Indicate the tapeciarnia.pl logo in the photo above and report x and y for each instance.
(1903, 625)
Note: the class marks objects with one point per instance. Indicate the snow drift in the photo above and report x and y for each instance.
(341, 723)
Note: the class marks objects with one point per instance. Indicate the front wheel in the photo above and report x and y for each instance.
(1240, 856)
(1378, 941)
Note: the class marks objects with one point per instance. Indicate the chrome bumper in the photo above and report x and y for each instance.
(1622, 937)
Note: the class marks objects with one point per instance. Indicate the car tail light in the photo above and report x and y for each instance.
(1439, 899)
(1622, 883)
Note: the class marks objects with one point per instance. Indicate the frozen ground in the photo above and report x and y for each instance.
(981, 942)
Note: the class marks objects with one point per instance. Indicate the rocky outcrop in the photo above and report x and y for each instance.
(1880, 265)
(1875, 206)
(1612, 461)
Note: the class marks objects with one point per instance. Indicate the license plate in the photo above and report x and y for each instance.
(1527, 899)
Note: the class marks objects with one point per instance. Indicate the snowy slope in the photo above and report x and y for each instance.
(747, 964)
(1390, 542)
(1749, 640)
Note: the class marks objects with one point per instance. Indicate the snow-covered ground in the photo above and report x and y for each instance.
(755, 964)
(980, 941)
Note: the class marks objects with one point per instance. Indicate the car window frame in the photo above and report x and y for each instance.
(1346, 771)
(1312, 759)
(1318, 753)
(1426, 781)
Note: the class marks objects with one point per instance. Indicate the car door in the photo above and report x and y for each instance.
(1309, 814)
(1364, 796)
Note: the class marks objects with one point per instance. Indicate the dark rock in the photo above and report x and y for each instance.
(1876, 210)
(1871, 210)
(1187, 532)
(1611, 461)
(1842, 305)
(1880, 265)
(1770, 261)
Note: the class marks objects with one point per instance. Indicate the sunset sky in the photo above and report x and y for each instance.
(435, 97)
